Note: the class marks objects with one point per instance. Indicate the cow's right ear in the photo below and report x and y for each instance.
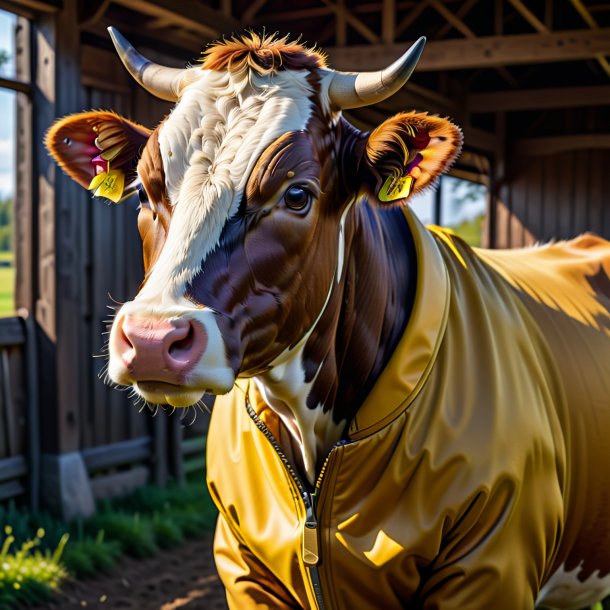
(98, 149)
(406, 153)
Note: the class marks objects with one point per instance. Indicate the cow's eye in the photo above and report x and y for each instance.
(297, 197)
(142, 195)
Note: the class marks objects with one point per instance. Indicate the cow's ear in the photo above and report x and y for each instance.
(407, 152)
(99, 150)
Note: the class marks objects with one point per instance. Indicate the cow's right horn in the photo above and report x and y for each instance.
(356, 89)
(161, 81)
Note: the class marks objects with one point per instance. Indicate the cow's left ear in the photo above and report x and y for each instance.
(98, 149)
(407, 152)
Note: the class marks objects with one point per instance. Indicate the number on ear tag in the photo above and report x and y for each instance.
(109, 184)
(396, 187)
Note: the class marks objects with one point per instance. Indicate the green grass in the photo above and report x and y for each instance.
(29, 575)
(7, 286)
(139, 525)
(471, 231)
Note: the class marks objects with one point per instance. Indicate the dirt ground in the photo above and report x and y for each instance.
(180, 579)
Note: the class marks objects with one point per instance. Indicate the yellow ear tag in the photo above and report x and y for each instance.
(396, 187)
(109, 184)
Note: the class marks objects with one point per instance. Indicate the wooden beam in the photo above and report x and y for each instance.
(323, 11)
(456, 22)
(460, 14)
(483, 52)
(117, 454)
(189, 14)
(583, 11)
(529, 16)
(411, 17)
(559, 144)
(251, 11)
(353, 21)
(459, 25)
(44, 6)
(340, 25)
(388, 21)
(526, 99)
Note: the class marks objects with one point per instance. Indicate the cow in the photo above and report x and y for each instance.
(402, 421)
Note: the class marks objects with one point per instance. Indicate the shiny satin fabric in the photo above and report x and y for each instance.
(474, 469)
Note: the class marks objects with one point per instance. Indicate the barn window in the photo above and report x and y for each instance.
(458, 204)
(8, 103)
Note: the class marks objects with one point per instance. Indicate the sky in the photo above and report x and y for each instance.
(7, 109)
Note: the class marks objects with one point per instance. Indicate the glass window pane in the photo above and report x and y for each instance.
(7, 191)
(464, 205)
(8, 23)
(423, 206)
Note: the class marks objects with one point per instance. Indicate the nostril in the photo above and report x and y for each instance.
(182, 346)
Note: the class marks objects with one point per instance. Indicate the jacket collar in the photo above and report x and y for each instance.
(412, 360)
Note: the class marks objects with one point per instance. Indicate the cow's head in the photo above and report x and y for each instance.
(244, 191)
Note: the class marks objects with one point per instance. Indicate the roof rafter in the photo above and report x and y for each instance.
(482, 52)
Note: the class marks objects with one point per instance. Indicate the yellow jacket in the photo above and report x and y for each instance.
(463, 480)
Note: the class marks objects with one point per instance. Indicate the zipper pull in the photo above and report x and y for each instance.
(311, 555)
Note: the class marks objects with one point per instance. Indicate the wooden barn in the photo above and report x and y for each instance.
(529, 82)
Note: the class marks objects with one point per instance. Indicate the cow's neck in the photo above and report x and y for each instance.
(318, 386)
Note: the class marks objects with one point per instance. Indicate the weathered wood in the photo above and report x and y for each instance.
(388, 21)
(353, 21)
(11, 489)
(483, 52)
(15, 85)
(557, 144)
(45, 6)
(189, 14)
(119, 483)
(33, 417)
(531, 99)
(527, 14)
(11, 332)
(460, 14)
(175, 449)
(13, 468)
(253, 8)
(24, 217)
(9, 407)
(160, 450)
(117, 454)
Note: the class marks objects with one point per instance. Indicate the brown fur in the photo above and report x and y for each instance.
(265, 54)
(155, 215)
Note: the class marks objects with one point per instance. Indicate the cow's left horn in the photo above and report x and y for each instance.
(161, 81)
(357, 89)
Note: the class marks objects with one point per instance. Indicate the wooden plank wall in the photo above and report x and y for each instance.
(554, 196)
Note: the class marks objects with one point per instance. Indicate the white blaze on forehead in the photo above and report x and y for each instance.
(209, 145)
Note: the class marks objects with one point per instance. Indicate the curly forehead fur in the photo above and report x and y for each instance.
(265, 54)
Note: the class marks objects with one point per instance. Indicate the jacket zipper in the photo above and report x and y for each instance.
(310, 550)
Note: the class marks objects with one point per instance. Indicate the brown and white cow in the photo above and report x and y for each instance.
(274, 252)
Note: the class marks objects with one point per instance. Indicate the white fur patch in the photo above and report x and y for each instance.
(209, 145)
(564, 591)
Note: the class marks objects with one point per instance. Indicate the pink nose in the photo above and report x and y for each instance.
(160, 350)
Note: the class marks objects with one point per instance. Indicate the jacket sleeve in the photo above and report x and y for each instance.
(248, 583)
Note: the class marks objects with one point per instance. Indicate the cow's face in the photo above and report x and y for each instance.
(244, 188)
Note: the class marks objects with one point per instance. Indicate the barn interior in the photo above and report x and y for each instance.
(529, 82)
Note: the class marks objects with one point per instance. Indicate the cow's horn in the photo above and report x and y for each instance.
(357, 89)
(161, 81)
